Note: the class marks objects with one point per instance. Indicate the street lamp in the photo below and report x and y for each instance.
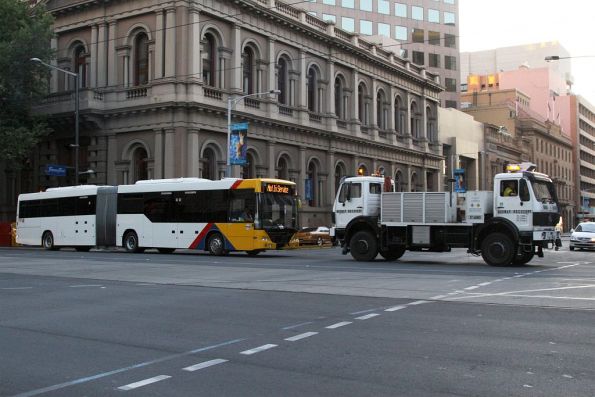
(231, 102)
(76, 112)
(557, 58)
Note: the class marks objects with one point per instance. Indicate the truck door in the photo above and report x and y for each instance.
(512, 202)
(349, 204)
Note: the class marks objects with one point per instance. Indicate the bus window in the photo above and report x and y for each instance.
(242, 205)
(158, 207)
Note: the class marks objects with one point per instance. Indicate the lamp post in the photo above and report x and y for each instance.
(76, 112)
(557, 58)
(231, 102)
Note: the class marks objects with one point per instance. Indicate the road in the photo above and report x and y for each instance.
(294, 323)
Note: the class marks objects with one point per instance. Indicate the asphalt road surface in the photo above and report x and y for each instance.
(294, 323)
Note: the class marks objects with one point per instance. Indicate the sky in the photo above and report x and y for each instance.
(489, 24)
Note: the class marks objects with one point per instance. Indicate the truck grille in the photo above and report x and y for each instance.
(545, 219)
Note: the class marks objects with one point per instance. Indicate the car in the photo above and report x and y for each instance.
(583, 236)
(314, 235)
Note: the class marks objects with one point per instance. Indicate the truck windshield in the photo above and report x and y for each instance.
(545, 191)
(277, 210)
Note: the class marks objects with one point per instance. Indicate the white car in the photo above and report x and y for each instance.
(583, 236)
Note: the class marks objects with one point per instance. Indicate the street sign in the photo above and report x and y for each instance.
(239, 126)
(55, 170)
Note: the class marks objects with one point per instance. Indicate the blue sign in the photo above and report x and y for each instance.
(55, 170)
(239, 127)
(460, 185)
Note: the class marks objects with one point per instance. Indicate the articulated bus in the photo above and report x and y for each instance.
(251, 215)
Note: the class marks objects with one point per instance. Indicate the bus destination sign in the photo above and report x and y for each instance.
(277, 188)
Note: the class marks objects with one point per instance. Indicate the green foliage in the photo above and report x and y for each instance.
(25, 32)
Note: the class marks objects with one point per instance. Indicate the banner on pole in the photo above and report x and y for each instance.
(238, 144)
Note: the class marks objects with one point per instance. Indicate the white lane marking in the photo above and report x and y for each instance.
(301, 336)
(258, 349)
(438, 297)
(145, 382)
(395, 308)
(204, 364)
(420, 302)
(85, 285)
(297, 325)
(120, 370)
(17, 288)
(337, 325)
(535, 290)
(484, 284)
(470, 288)
(525, 296)
(367, 316)
(365, 311)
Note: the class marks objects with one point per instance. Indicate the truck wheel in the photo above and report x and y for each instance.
(130, 242)
(363, 246)
(497, 250)
(392, 255)
(523, 258)
(216, 245)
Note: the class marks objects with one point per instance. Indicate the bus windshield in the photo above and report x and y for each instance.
(545, 191)
(277, 210)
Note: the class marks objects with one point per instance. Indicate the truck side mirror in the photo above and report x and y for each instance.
(348, 194)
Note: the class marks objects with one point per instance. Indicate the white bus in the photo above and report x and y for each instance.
(251, 215)
(76, 216)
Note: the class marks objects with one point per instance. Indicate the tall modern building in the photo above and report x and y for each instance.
(423, 31)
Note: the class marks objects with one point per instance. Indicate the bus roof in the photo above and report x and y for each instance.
(182, 184)
(66, 191)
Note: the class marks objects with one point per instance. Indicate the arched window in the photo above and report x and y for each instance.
(430, 126)
(414, 125)
(361, 92)
(399, 118)
(141, 59)
(209, 164)
(312, 191)
(209, 55)
(249, 170)
(380, 111)
(339, 174)
(283, 168)
(312, 89)
(282, 81)
(399, 181)
(339, 110)
(248, 71)
(80, 65)
(140, 167)
(430, 181)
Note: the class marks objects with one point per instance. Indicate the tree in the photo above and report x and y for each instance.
(25, 32)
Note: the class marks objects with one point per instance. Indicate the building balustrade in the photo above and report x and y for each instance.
(213, 93)
(253, 103)
(341, 123)
(316, 117)
(285, 110)
(136, 92)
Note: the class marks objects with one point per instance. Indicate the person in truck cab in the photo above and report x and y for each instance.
(509, 189)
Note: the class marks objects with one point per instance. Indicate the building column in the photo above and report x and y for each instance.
(407, 123)
(271, 158)
(375, 123)
(54, 75)
(303, 174)
(330, 185)
(355, 165)
(112, 157)
(169, 159)
(101, 56)
(424, 119)
(126, 72)
(159, 53)
(408, 172)
(330, 66)
(170, 42)
(93, 66)
(303, 89)
(194, 67)
(424, 179)
(272, 65)
(193, 163)
(112, 59)
(158, 155)
(236, 59)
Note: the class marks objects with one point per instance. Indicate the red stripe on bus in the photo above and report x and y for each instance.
(236, 184)
(200, 236)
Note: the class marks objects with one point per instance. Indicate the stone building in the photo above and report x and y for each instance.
(156, 77)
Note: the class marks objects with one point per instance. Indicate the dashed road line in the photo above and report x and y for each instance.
(367, 316)
(301, 336)
(85, 285)
(258, 349)
(13, 288)
(395, 308)
(297, 325)
(420, 302)
(204, 364)
(337, 325)
(438, 297)
(145, 382)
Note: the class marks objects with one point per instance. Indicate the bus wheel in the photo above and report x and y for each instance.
(216, 245)
(131, 242)
(83, 249)
(47, 241)
(166, 250)
(254, 252)
(497, 250)
(363, 246)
